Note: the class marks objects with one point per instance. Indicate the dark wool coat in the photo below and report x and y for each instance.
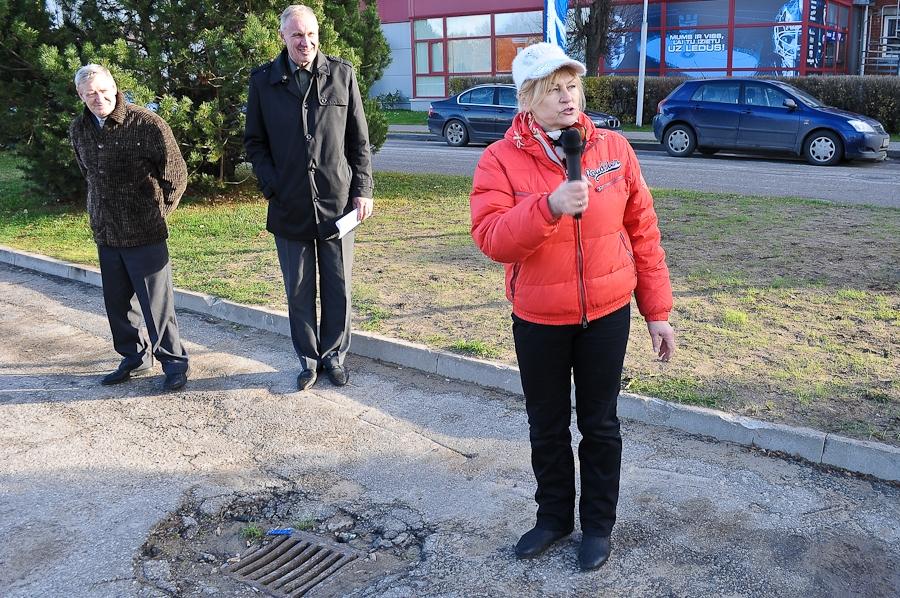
(134, 171)
(310, 156)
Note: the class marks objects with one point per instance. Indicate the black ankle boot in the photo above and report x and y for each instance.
(537, 540)
(593, 552)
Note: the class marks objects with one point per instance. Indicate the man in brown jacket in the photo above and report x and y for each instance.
(135, 177)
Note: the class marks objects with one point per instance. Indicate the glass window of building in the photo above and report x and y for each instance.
(815, 48)
(768, 11)
(428, 28)
(422, 65)
(629, 16)
(699, 38)
(696, 13)
(774, 50)
(469, 55)
(891, 28)
(694, 49)
(437, 57)
(506, 49)
(844, 17)
(469, 26)
(430, 87)
(512, 23)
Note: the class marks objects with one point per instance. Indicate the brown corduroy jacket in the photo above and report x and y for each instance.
(134, 171)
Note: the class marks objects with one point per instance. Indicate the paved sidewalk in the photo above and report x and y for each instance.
(639, 139)
(86, 471)
(871, 458)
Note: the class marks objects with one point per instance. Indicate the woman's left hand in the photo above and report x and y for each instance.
(662, 335)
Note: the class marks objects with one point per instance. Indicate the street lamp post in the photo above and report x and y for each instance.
(639, 117)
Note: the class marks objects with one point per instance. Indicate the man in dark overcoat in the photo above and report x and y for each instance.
(135, 178)
(307, 138)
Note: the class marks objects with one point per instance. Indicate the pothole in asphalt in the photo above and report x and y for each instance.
(282, 542)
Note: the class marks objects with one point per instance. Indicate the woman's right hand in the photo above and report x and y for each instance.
(570, 198)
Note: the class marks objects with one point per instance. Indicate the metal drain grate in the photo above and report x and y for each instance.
(290, 565)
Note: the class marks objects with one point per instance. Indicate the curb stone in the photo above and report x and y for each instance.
(859, 456)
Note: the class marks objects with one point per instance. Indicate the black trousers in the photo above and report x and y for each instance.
(137, 286)
(549, 357)
(326, 341)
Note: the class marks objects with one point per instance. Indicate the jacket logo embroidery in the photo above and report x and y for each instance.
(602, 169)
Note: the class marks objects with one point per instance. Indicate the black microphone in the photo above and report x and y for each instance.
(570, 140)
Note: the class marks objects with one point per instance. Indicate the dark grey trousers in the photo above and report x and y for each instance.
(137, 285)
(324, 341)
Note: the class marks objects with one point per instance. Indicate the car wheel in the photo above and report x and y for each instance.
(680, 141)
(823, 148)
(709, 151)
(456, 134)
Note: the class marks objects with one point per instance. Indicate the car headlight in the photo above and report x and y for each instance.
(860, 126)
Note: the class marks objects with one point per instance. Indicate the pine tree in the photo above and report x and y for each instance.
(188, 59)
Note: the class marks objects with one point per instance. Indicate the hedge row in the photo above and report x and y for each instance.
(878, 97)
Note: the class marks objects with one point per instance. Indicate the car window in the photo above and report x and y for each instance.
(804, 97)
(508, 97)
(763, 95)
(482, 95)
(725, 93)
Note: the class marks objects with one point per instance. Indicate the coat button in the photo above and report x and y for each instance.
(324, 100)
(308, 137)
(99, 146)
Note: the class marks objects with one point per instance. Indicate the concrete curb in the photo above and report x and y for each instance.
(870, 458)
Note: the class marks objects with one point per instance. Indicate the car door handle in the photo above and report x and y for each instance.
(746, 111)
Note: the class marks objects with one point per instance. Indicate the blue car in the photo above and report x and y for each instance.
(483, 114)
(759, 115)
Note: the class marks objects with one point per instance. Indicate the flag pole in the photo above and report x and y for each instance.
(642, 71)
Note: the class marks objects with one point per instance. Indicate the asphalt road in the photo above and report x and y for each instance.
(850, 183)
(86, 472)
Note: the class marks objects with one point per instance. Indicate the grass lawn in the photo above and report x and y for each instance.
(786, 310)
(406, 117)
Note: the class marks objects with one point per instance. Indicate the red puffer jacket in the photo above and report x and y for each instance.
(562, 270)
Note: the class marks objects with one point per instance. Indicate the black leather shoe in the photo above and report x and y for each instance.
(537, 540)
(338, 375)
(175, 381)
(306, 379)
(593, 552)
(124, 372)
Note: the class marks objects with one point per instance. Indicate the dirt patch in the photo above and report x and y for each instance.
(186, 553)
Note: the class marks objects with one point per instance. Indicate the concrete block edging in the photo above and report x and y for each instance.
(859, 456)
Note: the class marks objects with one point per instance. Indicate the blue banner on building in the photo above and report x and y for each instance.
(555, 22)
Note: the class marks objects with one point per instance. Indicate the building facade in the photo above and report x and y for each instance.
(881, 35)
(433, 40)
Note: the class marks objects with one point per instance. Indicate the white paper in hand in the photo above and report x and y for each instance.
(347, 223)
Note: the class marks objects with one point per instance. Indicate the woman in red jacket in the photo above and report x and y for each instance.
(574, 252)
